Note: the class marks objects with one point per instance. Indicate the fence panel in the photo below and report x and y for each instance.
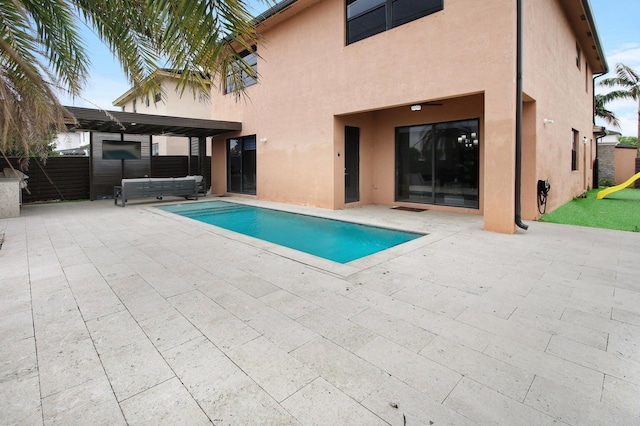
(68, 178)
(59, 178)
(169, 166)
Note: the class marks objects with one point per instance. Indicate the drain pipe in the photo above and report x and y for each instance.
(518, 181)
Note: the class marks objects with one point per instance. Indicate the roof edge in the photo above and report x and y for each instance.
(586, 4)
(277, 8)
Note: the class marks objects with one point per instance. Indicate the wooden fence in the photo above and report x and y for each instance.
(58, 178)
(69, 178)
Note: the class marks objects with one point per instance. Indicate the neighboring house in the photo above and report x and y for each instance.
(413, 103)
(72, 143)
(167, 101)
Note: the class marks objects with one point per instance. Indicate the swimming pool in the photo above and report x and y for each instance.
(327, 238)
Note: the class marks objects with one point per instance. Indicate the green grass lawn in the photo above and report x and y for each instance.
(620, 210)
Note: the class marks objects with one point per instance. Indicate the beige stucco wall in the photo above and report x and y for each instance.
(563, 93)
(312, 85)
(377, 145)
(625, 163)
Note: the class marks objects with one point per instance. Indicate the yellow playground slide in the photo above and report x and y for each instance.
(601, 194)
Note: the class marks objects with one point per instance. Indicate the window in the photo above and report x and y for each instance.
(157, 96)
(574, 149)
(241, 165)
(155, 149)
(135, 103)
(146, 100)
(578, 56)
(247, 74)
(439, 163)
(369, 17)
(587, 80)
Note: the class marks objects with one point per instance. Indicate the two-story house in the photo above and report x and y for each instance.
(168, 100)
(414, 103)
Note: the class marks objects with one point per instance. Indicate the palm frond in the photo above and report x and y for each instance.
(627, 81)
(40, 48)
(601, 112)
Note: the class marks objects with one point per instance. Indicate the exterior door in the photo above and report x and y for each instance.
(241, 165)
(351, 164)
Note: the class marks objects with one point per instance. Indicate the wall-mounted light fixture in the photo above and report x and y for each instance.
(263, 140)
(584, 140)
(547, 121)
(416, 107)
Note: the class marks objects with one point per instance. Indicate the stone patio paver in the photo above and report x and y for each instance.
(128, 316)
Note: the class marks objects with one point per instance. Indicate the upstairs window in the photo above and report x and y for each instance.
(578, 56)
(369, 17)
(247, 74)
(574, 149)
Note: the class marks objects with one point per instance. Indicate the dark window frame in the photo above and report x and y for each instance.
(395, 12)
(578, 56)
(575, 143)
(439, 192)
(245, 156)
(250, 57)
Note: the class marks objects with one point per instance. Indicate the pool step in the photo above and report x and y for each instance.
(213, 210)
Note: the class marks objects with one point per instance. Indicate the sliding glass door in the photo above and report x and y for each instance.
(241, 165)
(439, 163)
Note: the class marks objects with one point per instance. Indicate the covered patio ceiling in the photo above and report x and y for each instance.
(96, 120)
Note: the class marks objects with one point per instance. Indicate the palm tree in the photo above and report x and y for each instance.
(600, 111)
(41, 49)
(626, 85)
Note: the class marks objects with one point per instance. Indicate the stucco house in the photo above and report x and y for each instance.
(415, 103)
(170, 101)
(72, 143)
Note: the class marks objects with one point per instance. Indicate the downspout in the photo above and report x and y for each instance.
(518, 181)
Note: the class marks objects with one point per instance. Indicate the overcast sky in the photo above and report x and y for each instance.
(616, 21)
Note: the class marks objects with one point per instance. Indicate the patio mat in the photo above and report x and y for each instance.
(409, 209)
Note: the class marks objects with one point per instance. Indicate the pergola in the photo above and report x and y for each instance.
(97, 120)
(129, 123)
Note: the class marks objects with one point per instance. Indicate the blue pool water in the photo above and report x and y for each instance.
(331, 239)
